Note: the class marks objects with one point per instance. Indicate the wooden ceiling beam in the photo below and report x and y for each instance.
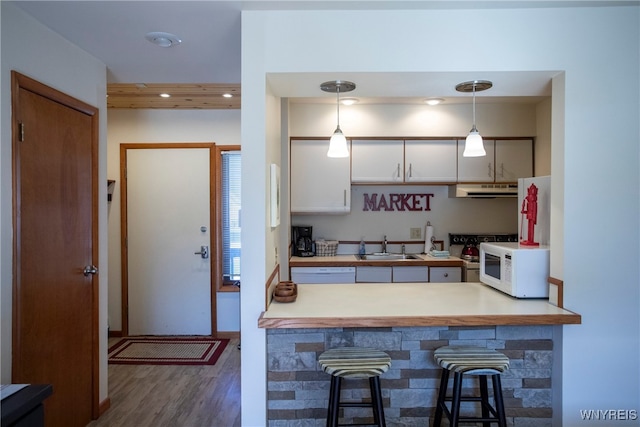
(183, 96)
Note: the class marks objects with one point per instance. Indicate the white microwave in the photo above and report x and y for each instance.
(516, 270)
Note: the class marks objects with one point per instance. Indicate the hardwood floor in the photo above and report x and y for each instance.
(175, 396)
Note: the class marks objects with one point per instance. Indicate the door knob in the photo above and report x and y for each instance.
(90, 269)
(204, 252)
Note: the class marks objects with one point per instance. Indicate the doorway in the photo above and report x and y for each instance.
(55, 228)
(167, 271)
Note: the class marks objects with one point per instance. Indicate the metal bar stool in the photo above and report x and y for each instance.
(479, 361)
(350, 363)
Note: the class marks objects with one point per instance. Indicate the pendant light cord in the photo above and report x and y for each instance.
(338, 103)
(474, 106)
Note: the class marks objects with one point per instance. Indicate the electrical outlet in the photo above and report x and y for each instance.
(415, 233)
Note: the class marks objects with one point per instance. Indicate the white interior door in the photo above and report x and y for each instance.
(169, 286)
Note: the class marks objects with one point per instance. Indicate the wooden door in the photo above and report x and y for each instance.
(55, 311)
(168, 208)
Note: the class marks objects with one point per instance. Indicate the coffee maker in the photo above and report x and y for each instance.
(302, 241)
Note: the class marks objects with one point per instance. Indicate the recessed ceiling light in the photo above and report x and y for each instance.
(165, 95)
(349, 101)
(227, 95)
(163, 39)
(434, 101)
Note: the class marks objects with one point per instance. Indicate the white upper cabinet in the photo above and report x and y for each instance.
(380, 161)
(430, 161)
(506, 161)
(319, 184)
(399, 161)
(476, 169)
(514, 159)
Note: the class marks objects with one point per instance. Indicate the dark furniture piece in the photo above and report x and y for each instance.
(25, 408)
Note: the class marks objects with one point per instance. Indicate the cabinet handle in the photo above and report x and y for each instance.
(489, 172)
(344, 197)
(446, 274)
(398, 170)
(410, 171)
(502, 170)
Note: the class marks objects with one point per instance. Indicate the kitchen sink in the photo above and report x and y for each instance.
(387, 257)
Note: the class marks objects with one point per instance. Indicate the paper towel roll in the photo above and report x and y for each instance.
(428, 238)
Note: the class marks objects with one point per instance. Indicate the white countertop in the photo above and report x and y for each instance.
(409, 304)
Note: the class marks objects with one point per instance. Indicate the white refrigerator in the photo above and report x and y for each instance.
(543, 217)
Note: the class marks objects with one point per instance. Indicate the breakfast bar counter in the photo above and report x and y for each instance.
(409, 304)
(408, 321)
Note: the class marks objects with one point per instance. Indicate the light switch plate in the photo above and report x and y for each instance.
(415, 233)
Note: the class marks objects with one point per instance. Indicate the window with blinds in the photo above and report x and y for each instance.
(231, 184)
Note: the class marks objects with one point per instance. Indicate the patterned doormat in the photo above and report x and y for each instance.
(167, 351)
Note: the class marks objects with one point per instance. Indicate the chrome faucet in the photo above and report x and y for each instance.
(403, 249)
(384, 245)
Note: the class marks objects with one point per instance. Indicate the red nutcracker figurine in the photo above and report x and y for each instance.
(530, 209)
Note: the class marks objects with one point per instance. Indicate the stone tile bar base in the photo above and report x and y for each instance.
(298, 390)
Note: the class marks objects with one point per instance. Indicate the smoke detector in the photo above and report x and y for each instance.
(163, 39)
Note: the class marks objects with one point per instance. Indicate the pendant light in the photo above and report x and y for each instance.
(338, 143)
(473, 146)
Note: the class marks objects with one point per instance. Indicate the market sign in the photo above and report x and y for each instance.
(397, 202)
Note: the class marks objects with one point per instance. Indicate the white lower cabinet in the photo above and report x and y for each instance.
(445, 274)
(373, 274)
(410, 274)
(323, 274)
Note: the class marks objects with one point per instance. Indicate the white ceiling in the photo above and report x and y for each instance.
(114, 32)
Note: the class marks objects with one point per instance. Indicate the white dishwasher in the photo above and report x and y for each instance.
(323, 274)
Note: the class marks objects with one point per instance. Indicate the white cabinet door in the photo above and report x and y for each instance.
(476, 169)
(445, 274)
(319, 184)
(430, 161)
(373, 274)
(514, 159)
(377, 161)
(410, 274)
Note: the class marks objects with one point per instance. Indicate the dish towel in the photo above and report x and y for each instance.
(439, 254)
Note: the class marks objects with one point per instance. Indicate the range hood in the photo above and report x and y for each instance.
(483, 191)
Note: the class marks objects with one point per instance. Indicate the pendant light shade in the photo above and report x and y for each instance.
(338, 144)
(473, 146)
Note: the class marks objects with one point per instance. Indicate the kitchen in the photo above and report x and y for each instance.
(446, 214)
(378, 218)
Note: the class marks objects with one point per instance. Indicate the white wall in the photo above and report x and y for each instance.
(542, 155)
(36, 52)
(599, 130)
(147, 126)
(444, 120)
(447, 215)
